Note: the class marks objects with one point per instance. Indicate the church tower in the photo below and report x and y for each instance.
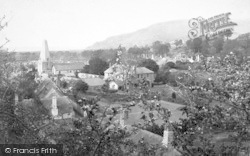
(44, 63)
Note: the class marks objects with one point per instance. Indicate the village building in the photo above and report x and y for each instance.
(119, 75)
(87, 75)
(145, 73)
(59, 105)
(47, 67)
(67, 68)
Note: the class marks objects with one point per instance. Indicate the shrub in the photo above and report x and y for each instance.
(171, 80)
(162, 77)
(63, 84)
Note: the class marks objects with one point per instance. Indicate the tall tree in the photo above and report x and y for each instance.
(160, 49)
(97, 66)
(150, 64)
(218, 44)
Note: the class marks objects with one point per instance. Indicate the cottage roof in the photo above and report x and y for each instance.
(147, 136)
(138, 70)
(111, 69)
(68, 66)
(143, 70)
(47, 89)
(47, 86)
(152, 139)
(94, 81)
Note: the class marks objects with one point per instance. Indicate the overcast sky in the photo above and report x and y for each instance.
(76, 24)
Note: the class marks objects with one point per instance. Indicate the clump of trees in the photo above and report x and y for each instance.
(150, 64)
(96, 66)
(160, 49)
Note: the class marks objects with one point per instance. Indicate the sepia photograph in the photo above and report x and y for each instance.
(125, 77)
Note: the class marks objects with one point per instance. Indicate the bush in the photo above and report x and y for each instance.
(181, 65)
(162, 77)
(63, 84)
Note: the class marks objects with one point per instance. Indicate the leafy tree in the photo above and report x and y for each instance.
(178, 43)
(18, 125)
(80, 87)
(26, 82)
(150, 64)
(63, 84)
(160, 48)
(228, 34)
(195, 45)
(218, 44)
(205, 47)
(86, 69)
(217, 107)
(97, 66)
(136, 51)
(230, 46)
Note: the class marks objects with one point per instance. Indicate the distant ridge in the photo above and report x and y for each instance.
(165, 32)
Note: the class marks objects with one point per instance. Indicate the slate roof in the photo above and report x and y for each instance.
(92, 82)
(152, 139)
(47, 89)
(111, 70)
(138, 70)
(68, 66)
(143, 70)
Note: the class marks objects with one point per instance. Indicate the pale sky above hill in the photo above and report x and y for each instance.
(76, 24)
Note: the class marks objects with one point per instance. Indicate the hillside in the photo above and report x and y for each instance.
(166, 32)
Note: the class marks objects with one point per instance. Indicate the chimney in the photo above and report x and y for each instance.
(122, 116)
(16, 98)
(167, 136)
(54, 110)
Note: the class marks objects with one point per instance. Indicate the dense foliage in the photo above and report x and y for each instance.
(150, 64)
(96, 66)
(79, 87)
(217, 112)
